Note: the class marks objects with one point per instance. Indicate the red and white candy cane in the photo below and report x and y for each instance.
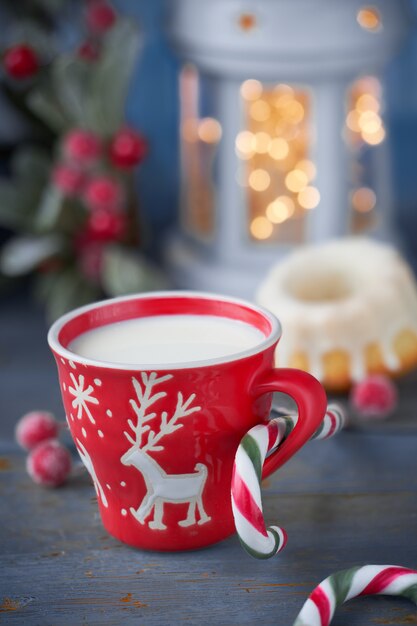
(256, 539)
(340, 587)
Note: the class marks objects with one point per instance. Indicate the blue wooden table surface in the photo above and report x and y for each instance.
(344, 502)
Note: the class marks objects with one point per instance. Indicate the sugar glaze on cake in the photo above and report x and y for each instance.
(347, 308)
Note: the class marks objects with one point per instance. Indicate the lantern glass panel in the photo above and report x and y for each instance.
(199, 139)
(275, 169)
(365, 132)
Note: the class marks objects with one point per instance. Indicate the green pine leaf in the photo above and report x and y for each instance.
(105, 107)
(61, 100)
(31, 169)
(90, 95)
(43, 101)
(49, 211)
(22, 255)
(71, 78)
(20, 195)
(124, 272)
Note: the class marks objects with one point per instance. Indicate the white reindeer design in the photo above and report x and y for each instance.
(86, 459)
(160, 486)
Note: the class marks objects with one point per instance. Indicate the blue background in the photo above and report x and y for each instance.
(153, 107)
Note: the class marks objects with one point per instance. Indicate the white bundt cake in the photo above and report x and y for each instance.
(347, 308)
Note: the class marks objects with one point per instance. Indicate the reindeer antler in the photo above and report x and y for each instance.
(169, 426)
(145, 400)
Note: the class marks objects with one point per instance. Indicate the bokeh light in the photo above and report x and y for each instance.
(309, 197)
(280, 209)
(209, 130)
(278, 148)
(364, 199)
(369, 18)
(259, 180)
(251, 89)
(261, 228)
(296, 180)
(260, 110)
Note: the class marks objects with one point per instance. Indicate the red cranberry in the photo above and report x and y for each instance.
(100, 16)
(82, 146)
(103, 192)
(49, 464)
(35, 427)
(68, 179)
(21, 61)
(128, 148)
(376, 396)
(106, 225)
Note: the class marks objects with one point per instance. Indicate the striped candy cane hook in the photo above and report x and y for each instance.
(256, 539)
(342, 586)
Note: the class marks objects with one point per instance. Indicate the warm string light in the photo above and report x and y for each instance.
(280, 209)
(260, 110)
(262, 142)
(274, 147)
(308, 168)
(251, 90)
(296, 180)
(259, 180)
(364, 119)
(309, 197)
(363, 199)
(200, 137)
(365, 127)
(245, 144)
(208, 130)
(278, 148)
(369, 18)
(261, 228)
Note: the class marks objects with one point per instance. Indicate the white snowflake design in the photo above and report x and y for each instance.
(82, 396)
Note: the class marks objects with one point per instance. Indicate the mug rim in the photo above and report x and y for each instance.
(269, 340)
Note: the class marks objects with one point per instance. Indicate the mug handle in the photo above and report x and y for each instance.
(251, 465)
(311, 401)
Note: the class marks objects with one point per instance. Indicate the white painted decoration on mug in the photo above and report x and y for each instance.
(161, 487)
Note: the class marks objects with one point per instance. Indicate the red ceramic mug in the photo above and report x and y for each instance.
(159, 441)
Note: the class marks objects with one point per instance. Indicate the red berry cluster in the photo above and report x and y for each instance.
(100, 16)
(49, 462)
(82, 151)
(81, 173)
(21, 61)
(78, 175)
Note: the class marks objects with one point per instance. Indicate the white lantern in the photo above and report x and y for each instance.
(283, 139)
